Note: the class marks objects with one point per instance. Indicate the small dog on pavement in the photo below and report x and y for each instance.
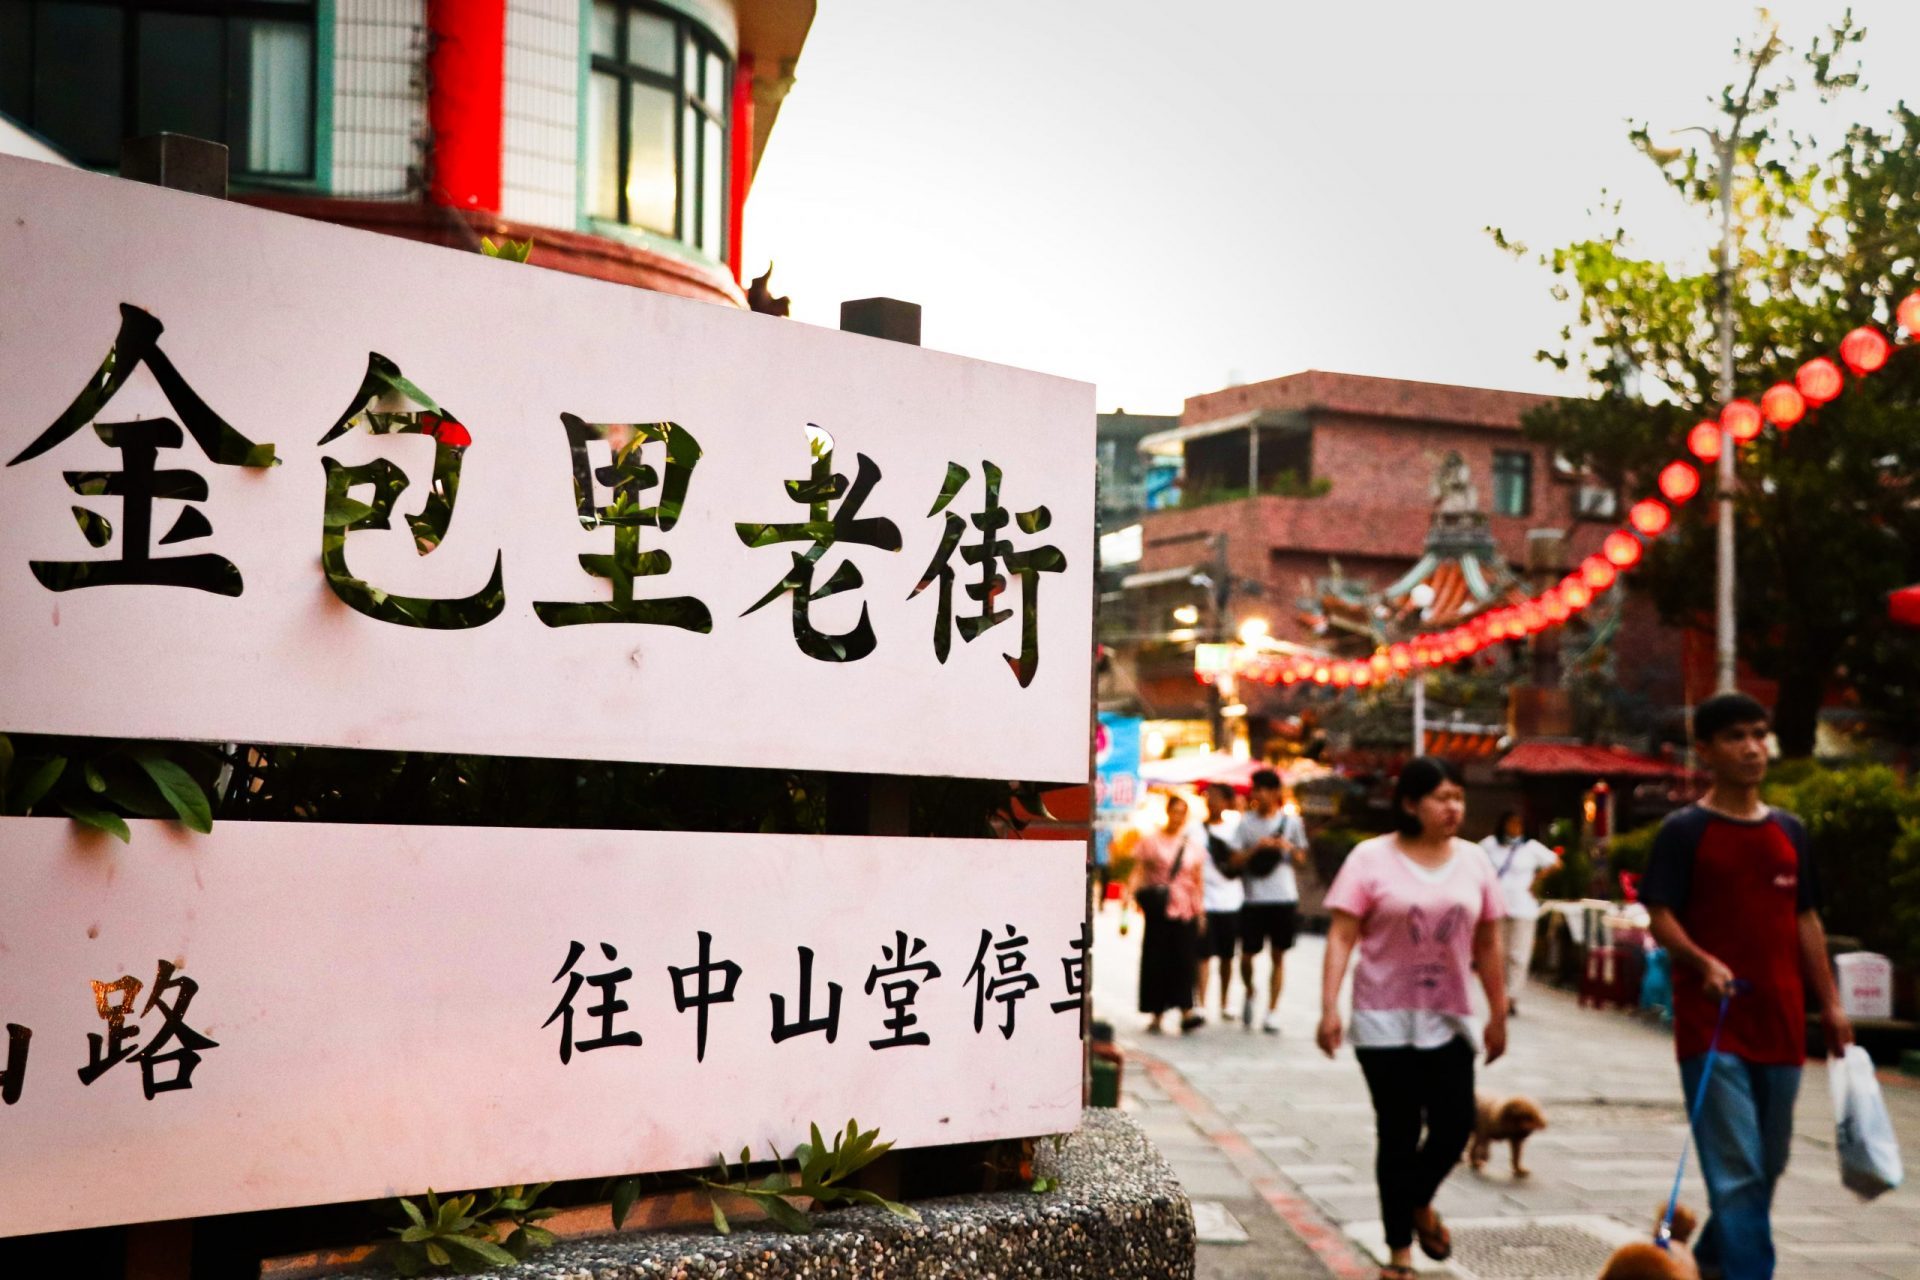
(1509, 1120)
(1645, 1260)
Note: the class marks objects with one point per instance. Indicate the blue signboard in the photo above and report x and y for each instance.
(1117, 764)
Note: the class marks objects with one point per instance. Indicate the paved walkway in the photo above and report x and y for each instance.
(1281, 1139)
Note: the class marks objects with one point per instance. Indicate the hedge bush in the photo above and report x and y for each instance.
(1864, 825)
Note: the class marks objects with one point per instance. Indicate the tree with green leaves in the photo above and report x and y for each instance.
(1827, 238)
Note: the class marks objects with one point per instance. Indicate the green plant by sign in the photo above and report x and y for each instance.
(820, 1173)
(508, 250)
(453, 1234)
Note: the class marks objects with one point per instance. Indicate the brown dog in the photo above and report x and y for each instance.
(1644, 1260)
(1512, 1120)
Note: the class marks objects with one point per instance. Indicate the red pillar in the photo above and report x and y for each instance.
(740, 162)
(466, 75)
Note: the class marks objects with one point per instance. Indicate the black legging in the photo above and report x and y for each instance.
(1412, 1087)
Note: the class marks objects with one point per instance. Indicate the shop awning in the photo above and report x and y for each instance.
(1561, 759)
(1218, 766)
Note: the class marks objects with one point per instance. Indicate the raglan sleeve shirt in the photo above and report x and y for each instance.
(1738, 888)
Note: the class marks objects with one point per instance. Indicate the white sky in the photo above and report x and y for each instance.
(1165, 199)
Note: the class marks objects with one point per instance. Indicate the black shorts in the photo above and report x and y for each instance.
(1262, 923)
(1223, 933)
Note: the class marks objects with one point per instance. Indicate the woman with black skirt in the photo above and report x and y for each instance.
(1169, 886)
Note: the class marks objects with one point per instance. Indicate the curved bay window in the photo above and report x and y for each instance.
(657, 125)
(84, 76)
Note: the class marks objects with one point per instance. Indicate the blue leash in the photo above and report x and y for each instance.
(1663, 1236)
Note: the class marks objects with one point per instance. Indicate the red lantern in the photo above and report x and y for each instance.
(1650, 516)
(1864, 350)
(1401, 657)
(1622, 548)
(1598, 572)
(1703, 442)
(1576, 593)
(1678, 482)
(1362, 675)
(1909, 315)
(1322, 675)
(1742, 420)
(1819, 380)
(1532, 617)
(1783, 405)
(1381, 664)
(1556, 607)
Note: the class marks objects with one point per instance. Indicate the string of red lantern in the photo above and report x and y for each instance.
(1817, 382)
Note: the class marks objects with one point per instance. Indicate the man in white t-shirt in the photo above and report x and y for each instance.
(1224, 894)
(1520, 862)
(1272, 843)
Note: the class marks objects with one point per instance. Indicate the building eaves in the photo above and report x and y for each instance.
(1317, 391)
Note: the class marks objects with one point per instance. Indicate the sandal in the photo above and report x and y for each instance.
(1394, 1271)
(1435, 1240)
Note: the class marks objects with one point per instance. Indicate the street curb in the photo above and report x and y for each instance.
(1328, 1242)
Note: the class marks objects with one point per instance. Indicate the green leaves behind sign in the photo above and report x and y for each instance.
(35, 784)
(177, 788)
(99, 819)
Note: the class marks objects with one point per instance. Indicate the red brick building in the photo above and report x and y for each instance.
(1314, 468)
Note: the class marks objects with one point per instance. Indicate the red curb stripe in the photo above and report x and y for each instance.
(1323, 1237)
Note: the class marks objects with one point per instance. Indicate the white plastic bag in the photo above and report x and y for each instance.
(1869, 1153)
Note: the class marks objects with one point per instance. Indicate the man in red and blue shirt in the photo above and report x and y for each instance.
(1735, 901)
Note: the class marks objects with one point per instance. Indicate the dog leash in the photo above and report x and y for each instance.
(1663, 1235)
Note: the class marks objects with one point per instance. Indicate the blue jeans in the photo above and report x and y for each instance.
(1743, 1132)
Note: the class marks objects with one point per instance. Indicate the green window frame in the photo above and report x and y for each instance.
(246, 73)
(657, 112)
(1512, 482)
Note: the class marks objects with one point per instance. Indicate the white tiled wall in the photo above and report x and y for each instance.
(542, 112)
(379, 102)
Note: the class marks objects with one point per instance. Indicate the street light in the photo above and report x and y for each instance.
(1187, 615)
(1253, 631)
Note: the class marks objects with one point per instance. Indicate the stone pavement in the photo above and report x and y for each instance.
(1282, 1139)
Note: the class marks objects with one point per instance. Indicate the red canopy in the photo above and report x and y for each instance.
(1571, 759)
(1903, 606)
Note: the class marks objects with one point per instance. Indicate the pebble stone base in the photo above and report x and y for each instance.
(1118, 1214)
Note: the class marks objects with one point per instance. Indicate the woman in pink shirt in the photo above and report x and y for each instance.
(1170, 887)
(1424, 908)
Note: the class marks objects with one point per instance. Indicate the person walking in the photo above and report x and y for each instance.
(1224, 894)
(1734, 898)
(1271, 843)
(1520, 862)
(1167, 886)
(1423, 909)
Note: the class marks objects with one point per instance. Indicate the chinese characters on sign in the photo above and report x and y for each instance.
(897, 996)
(387, 404)
(115, 1001)
(139, 483)
(167, 1002)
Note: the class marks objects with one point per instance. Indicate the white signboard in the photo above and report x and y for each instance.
(513, 512)
(308, 1013)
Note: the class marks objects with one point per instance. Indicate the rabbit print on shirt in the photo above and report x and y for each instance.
(1431, 941)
